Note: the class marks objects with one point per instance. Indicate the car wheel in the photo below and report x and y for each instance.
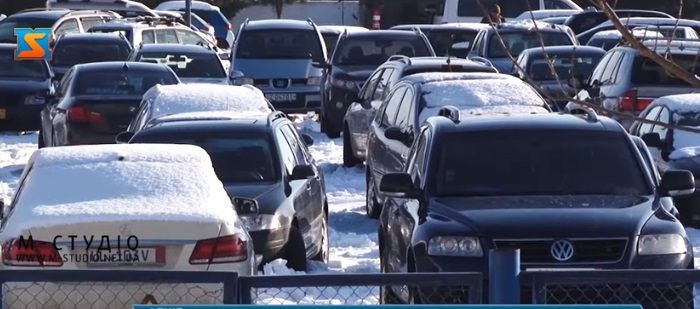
(40, 140)
(372, 206)
(296, 250)
(349, 159)
(323, 254)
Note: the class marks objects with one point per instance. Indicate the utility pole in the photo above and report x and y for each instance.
(188, 12)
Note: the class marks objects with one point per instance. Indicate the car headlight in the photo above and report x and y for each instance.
(348, 84)
(35, 99)
(261, 222)
(455, 246)
(314, 81)
(239, 81)
(658, 244)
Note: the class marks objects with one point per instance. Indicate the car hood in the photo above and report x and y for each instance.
(268, 195)
(546, 216)
(276, 68)
(23, 85)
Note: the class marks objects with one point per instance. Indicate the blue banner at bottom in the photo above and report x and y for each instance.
(384, 306)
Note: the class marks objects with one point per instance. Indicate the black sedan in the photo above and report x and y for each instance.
(533, 66)
(96, 101)
(78, 48)
(24, 89)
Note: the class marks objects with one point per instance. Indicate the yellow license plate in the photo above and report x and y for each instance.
(2, 113)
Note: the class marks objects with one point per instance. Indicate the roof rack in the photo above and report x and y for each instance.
(591, 115)
(417, 30)
(450, 112)
(160, 20)
(275, 115)
(311, 22)
(402, 58)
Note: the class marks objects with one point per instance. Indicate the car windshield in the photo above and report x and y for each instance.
(330, 39)
(204, 14)
(688, 119)
(442, 41)
(648, 72)
(12, 68)
(604, 43)
(8, 25)
(236, 157)
(188, 65)
(72, 53)
(535, 162)
(375, 51)
(133, 82)
(279, 44)
(522, 40)
(564, 65)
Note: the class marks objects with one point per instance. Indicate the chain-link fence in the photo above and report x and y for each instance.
(357, 289)
(650, 288)
(114, 289)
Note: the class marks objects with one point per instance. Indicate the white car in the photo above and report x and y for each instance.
(132, 199)
(184, 98)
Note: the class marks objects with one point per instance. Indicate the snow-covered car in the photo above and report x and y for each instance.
(610, 38)
(541, 14)
(73, 203)
(167, 100)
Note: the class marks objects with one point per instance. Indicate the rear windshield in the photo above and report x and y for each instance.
(8, 25)
(604, 43)
(648, 72)
(509, 8)
(121, 83)
(330, 39)
(565, 66)
(522, 40)
(235, 157)
(70, 54)
(34, 70)
(279, 44)
(505, 164)
(442, 41)
(375, 51)
(188, 65)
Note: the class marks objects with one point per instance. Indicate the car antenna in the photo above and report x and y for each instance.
(449, 61)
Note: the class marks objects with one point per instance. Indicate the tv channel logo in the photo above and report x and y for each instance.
(33, 44)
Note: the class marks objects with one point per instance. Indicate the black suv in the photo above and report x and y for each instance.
(276, 186)
(356, 56)
(61, 21)
(473, 181)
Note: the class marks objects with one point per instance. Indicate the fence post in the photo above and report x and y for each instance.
(245, 290)
(504, 276)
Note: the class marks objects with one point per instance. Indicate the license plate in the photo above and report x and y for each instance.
(560, 269)
(140, 256)
(279, 97)
(2, 113)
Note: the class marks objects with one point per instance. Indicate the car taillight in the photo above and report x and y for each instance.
(79, 114)
(452, 67)
(225, 249)
(629, 102)
(30, 253)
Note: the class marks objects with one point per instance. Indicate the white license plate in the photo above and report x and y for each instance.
(125, 256)
(559, 269)
(280, 97)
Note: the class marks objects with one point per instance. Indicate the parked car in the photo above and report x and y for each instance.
(209, 13)
(609, 39)
(364, 107)
(453, 40)
(425, 28)
(588, 19)
(154, 30)
(135, 200)
(473, 179)
(356, 56)
(276, 56)
(472, 11)
(419, 96)
(25, 87)
(517, 36)
(96, 101)
(634, 22)
(79, 48)
(126, 8)
(542, 14)
(555, 20)
(191, 63)
(185, 98)
(625, 81)
(331, 34)
(671, 31)
(60, 21)
(196, 22)
(278, 189)
(673, 148)
(535, 65)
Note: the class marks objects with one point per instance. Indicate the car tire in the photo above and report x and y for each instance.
(323, 254)
(349, 159)
(296, 250)
(330, 130)
(40, 140)
(372, 206)
(386, 295)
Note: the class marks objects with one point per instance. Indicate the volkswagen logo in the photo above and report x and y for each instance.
(562, 250)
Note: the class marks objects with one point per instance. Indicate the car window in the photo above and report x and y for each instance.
(518, 41)
(646, 127)
(294, 142)
(366, 51)
(68, 54)
(8, 25)
(392, 107)
(188, 65)
(443, 39)
(191, 38)
(664, 116)
(89, 22)
(382, 84)
(414, 167)
(509, 8)
(368, 89)
(598, 71)
(166, 36)
(565, 66)
(647, 72)
(610, 69)
(147, 37)
(404, 114)
(132, 82)
(68, 26)
(330, 39)
(279, 44)
(286, 152)
(11, 68)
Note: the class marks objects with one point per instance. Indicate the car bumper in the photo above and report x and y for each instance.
(269, 243)
(336, 106)
(79, 134)
(304, 99)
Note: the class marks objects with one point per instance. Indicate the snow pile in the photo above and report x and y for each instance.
(637, 33)
(115, 183)
(182, 98)
(686, 144)
(529, 24)
(212, 115)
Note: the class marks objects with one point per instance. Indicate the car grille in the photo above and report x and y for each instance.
(585, 250)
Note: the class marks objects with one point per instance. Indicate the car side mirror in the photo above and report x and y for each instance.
(320, 64)
(124, 137)
(245, 206)
(653, 139)
(308, 140)
(302, 172)
(677, 183)
(395, 133)
(398, 185)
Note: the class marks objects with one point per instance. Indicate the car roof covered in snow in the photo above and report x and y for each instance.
(526, 121)
(108, 183)
(639, 33)
(339, 29)
(183, 98)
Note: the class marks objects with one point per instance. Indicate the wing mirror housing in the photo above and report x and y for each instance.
(398, 185)
(677, 183)
(124, 137)
(308, 140)
(653, 139)
(395, 133)
(245, 206)
(302, 172)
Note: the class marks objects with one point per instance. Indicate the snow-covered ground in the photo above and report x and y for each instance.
(353, 235)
